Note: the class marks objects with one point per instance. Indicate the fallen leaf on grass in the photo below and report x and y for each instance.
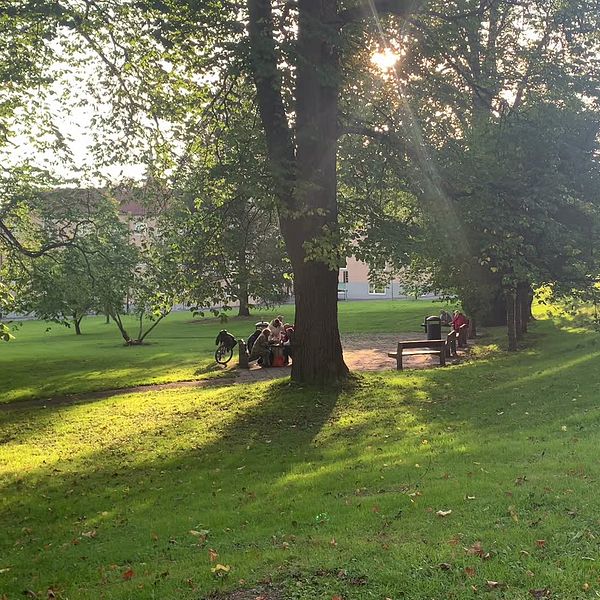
(443, 513)
(221, 570)
(337, 597)
(540, 543)
(445, 566)
(477, 550)
(201, 533)
(521, 480)
(541, 593)
(213, 555)
(127, 575)
(470, 571)
(586, 587)
(90, 534)
(494, 585)
(333, 543)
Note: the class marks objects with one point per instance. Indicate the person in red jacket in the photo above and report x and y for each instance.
(459, 319)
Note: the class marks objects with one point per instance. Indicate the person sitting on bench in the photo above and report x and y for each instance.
(288, 342)
(254, 336)
(276, 330)
(445, 318)
(261, 350)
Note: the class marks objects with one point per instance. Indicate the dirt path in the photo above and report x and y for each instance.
(362, 352)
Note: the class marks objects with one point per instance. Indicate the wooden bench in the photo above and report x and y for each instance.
(420, 347)
(451, 341)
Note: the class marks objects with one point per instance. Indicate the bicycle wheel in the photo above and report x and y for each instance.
(223, 354)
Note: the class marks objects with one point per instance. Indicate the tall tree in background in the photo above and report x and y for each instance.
(69, 281)
(468, 68)
(224, 204)
(485, 107)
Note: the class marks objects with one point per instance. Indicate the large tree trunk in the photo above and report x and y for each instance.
(305, 180)
(511, 320)
(317, 347)
(319, 356)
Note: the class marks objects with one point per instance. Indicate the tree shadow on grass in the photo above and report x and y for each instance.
(259, 465)
(174, 488)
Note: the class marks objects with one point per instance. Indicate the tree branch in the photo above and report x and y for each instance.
(264, 64)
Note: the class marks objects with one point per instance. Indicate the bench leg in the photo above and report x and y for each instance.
(399, 358)
(442, 359)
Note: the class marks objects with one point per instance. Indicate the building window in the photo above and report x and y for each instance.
(343, 276)
(377, 290)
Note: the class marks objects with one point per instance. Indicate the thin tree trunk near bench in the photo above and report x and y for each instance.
(511, 302)
(472, 333)
(518, 320)
(524, 305)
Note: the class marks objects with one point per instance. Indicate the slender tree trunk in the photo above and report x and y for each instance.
(157, 320)
(472, 333)
(107, 321)
(523, 306)
(77, 323)
(530, 298)
(117, 319)
(244, 309)
(518, 315)
(511, 302)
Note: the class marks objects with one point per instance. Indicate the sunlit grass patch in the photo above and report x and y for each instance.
(42, 364)
(419, 484)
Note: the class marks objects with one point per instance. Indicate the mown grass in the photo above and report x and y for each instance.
(50, 360)
(325, 493)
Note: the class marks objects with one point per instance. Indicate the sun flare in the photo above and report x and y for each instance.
(385, 60)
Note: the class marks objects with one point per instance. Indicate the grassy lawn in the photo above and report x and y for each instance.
(42, 363)
(327, 494)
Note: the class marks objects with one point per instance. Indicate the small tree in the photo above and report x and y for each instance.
(154, 284)
(60, 288)
(65, 284)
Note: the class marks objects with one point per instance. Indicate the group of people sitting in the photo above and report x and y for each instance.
(455, 320)
(268, 336)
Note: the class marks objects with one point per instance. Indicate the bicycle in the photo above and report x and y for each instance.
(223, 353)
(225, 345)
